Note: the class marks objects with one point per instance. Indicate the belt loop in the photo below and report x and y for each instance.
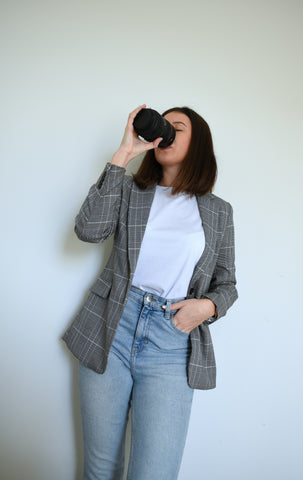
(167, 309)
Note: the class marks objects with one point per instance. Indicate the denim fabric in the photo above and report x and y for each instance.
(146, 370)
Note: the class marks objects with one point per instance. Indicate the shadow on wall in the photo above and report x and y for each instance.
(77, 422)
(75, 248)
(77, 433)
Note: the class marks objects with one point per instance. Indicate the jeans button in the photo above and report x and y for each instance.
(149, 298)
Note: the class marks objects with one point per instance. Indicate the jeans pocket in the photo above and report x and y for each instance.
(175, 328)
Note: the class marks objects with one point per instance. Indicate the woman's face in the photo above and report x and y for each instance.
(175, 153)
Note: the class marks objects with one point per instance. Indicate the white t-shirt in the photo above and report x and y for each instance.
(172, 244)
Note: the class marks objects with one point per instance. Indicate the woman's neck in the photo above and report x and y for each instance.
(169, 175)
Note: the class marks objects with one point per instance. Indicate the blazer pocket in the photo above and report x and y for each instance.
(101, 288)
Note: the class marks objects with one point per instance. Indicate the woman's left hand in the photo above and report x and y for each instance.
(192, 312)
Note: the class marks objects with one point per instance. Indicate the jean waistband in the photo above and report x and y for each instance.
(154, 301)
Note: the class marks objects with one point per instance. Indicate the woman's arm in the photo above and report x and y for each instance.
(99, 214)
(222, 290)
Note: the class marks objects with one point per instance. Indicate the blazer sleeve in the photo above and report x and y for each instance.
(99, 213)
(222, 290)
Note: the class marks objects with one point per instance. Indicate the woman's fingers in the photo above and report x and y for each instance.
(154, 144)
(157, 141)
(178, 305)
(133, 114)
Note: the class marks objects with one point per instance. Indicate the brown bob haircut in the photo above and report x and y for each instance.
(198, 170)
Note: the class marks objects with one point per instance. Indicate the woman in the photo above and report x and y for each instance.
(142, 337)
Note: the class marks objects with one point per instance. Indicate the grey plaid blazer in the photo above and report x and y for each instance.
(116, 205)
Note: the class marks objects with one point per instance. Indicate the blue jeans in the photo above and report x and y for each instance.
(146, 370)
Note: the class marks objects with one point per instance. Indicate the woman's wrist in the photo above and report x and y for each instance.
(120, 158)
(211, 307)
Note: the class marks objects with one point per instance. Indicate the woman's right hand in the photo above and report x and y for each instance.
(131, 145)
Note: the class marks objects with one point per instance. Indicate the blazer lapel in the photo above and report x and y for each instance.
(208, 221)
(139, 207)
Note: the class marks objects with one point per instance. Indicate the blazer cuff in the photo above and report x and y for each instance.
(220, 307)
(111, 175)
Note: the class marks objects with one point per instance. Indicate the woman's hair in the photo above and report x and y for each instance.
(198, 170)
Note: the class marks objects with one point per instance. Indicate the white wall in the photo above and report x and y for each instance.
(70, 73)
